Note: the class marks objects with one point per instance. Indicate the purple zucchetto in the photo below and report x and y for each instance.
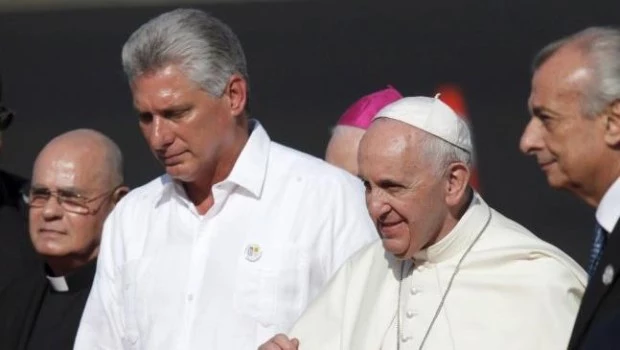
(360, 113)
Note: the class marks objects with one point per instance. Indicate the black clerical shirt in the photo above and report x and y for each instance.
(40, 312)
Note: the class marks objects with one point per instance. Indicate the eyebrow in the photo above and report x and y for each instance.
(539, 110)
(68, 190)
(174, 108)
(388, 183)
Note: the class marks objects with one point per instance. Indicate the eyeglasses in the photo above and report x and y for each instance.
(67, 199)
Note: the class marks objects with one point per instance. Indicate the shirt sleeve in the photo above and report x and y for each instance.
(101, 326)
(349, 221)
(322, 324)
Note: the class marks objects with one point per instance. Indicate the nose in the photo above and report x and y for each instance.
(532, 140)
(52, 209)
(376, 204)
(160, 134)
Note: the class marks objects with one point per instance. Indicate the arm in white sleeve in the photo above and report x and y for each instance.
(351, 225)
(101, 326)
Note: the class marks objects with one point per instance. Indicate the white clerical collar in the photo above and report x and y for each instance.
(59, 284)
(79, 279)
(608, 210)
(462, 235)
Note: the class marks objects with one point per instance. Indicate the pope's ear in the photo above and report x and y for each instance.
(612, 124)
(457, 181)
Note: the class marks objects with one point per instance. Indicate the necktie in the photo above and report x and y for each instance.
(600, 238)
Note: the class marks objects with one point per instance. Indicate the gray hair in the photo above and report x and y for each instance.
(203, 47)
(441, 153)
(602, 47)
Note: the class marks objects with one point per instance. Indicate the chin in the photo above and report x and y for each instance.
(558, 182)
(180, 173)
(395, 248)
(50, 250)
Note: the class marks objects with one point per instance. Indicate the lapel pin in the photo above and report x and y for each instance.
(253, 252)
(608, 275)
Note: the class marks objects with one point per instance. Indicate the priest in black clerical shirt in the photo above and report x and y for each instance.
(77, 180)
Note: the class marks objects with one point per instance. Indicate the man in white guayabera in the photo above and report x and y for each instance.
(230, 245)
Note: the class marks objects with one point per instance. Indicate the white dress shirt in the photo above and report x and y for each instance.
(608, 210)
(168, 278)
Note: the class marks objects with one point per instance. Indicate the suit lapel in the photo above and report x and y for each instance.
(597, 290)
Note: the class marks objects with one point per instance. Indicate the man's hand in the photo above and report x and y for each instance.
(280, 342)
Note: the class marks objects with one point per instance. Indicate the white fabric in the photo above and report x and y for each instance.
(167, 278)
(608, 210)
(59, 284)
(431, 115)
(512, 291)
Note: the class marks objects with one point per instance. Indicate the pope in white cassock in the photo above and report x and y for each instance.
(450, 272)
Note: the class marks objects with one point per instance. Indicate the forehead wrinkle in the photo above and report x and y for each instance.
(76, 158)
(163, 87)
(390, 146)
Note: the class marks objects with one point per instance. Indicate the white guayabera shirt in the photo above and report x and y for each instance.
(168, 278)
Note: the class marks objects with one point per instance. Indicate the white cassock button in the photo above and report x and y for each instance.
(410, 313)
(414, 291)
(608, 275)
(404, 338)
(253, 252)
(190, 297)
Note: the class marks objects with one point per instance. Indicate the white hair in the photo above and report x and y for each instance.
(441, 153)
(203, 47)
(602, 47)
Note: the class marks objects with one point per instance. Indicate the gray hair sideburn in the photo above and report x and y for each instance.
(602, 47)
(203, 47)
(441, 153)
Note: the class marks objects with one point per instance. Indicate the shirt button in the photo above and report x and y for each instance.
(410, 313)
(414, 291)
(405, 338)
(190, 297)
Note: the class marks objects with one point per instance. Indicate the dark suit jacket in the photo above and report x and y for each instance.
(17, 256)
(600, 308)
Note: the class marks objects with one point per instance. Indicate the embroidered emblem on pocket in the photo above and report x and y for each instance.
(253, 252)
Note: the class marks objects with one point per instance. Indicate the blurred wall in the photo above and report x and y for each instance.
(308, 61)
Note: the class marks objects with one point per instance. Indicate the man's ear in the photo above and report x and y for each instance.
(119, 193)
(457, 181)
(612, 124)
(237, 92)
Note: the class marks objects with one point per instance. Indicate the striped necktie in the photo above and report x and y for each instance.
(600, 238)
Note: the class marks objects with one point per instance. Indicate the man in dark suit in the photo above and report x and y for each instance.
(77, 180)
(16, 253)
(575, 135)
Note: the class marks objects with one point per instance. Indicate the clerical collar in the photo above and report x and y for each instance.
(466, 230)
(79, 279)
